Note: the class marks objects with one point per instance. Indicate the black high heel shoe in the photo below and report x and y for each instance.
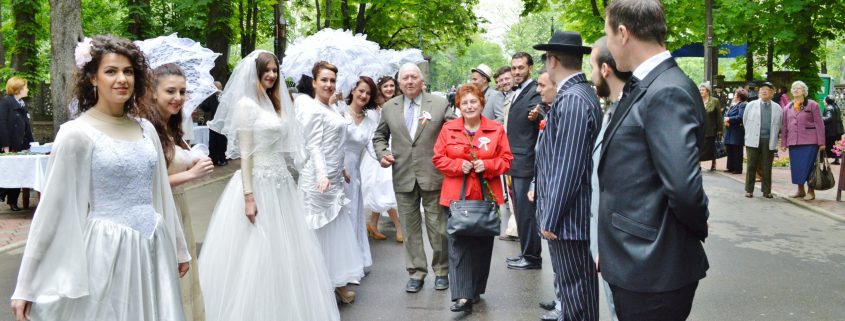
(462, 305)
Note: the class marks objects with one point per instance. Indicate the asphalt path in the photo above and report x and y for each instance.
(770, 260)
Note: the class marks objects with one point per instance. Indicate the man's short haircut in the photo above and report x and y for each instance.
(503, 70)
(542, 71)
(522, 54)
(645, 19)
(570, 61)
(604, 57)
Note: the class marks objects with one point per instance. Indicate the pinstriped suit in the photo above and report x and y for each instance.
(564, 165)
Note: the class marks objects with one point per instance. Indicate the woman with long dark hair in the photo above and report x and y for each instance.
(105, 242)
(260, 261)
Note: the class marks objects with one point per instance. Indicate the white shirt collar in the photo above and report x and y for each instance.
(417, 100)
(647, 66)
(560, 84)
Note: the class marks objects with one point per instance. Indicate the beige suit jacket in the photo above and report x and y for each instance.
(413, 156)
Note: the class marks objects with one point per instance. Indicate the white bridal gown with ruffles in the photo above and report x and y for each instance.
(273, 269)
(356, 143)
(103, 243)
(325, 134)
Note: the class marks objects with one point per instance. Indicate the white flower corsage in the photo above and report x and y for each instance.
(82, 54)
(482, 142)
(424, 117)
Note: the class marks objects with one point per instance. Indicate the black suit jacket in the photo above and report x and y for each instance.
(15, 127)
(653, 210)
(522, 133)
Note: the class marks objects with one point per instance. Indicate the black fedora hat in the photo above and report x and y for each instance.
(565, 42)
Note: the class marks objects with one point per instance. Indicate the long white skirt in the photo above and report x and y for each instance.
(131, 278)
(272, 270)
(376, 185)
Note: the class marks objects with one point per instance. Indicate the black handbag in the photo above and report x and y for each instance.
(473, 217)
(821, 178)
(719, 149)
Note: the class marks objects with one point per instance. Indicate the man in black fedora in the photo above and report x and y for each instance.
(564, 166)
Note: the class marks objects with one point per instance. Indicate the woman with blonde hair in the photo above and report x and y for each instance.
(15, 129)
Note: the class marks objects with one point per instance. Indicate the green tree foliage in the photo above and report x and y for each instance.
(530, 30)
(453, 65)
(397, 24)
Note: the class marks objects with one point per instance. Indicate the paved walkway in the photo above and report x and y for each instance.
(825, 202)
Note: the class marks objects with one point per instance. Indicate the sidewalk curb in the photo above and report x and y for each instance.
(12, 246)
(812, 208)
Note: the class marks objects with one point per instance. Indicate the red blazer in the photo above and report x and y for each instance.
(452, 148)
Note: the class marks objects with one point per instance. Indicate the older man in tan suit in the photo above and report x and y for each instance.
(413, 121)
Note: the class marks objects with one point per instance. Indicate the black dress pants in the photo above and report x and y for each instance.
(12, 195)
(734, 158)
(526, 220)
(662, 306)
(469, 264)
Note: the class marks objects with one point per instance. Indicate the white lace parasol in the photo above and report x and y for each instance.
(195, 60)
(353, 55)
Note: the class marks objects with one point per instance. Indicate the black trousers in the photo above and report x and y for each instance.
(216, 147)
(469, 264)
(734, 158)
(577, 280)
(526, 220)
(662, 306)
(12, 195)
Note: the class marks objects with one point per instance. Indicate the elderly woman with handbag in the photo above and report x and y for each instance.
(803, 135)
(472, 152)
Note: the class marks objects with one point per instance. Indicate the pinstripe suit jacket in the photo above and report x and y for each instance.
(564, 161)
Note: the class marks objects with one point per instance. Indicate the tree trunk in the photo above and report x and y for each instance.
(344, 11)
(328, 13)
(26, 28)
(219, 32)
(65, 31)
(2, 49)
(749, 60)
(253, 38)
(317, 5)
(249, 26)
(770, 57)
(361, 22)
(139, 21)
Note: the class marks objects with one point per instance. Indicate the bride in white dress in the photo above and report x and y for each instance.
(105, 241)
(260, 260)
(322, 179)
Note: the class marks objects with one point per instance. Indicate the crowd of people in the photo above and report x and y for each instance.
(614, 188)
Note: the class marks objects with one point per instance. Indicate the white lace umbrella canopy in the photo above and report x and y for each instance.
(195, 60)
(353, 55)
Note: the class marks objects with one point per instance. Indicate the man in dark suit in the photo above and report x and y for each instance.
(216, 141)
(522, 135)
(564, 165)
(653, 210)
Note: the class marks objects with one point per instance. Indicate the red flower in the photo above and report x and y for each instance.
(543, 124)
(466, 149)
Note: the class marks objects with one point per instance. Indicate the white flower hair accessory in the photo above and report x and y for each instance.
(82, 54)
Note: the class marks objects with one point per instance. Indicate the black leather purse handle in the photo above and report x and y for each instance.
(480, 182)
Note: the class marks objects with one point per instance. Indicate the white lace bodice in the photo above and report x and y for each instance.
(270, 163)
(122, 183)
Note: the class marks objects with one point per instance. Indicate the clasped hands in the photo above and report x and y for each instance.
(476, 165)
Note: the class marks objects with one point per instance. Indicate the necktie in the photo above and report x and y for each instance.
(767, 104)
(409, 117)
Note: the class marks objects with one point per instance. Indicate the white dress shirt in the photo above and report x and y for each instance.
(647, 66)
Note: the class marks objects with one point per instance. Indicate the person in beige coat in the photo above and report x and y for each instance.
(413, 122)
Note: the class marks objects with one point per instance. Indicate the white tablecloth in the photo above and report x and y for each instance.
(27, 171)
(200, 135)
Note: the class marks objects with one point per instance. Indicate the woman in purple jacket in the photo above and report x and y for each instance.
(803, 134)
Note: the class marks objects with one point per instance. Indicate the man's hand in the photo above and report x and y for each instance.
(387, 161)
(21, 309)
(531, 196)
(183, 269)
(549, 235)
(534, 113)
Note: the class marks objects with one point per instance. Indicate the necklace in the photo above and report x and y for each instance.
(358, 114)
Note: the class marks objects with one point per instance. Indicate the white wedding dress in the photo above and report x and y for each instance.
(357, 140)
(104, 241)
(376, 181)
(273, 269)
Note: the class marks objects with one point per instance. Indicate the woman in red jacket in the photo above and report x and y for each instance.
(471, 145)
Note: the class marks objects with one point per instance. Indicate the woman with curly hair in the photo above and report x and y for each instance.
(105, 242)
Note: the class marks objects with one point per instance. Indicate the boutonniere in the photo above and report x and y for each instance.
(482, 142)
(424, 117)
(543, 124)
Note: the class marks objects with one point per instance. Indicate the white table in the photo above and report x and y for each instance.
(200, 135)
(24, 171)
